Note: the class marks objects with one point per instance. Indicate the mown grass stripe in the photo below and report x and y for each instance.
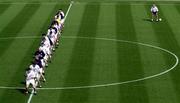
(61, 58)
(175, 22)
(3, 8)
(30, 46)
(54, 78)
(166, 39)
(152, 60)
(20, 20)
(50, 68)
(25, 15)
(105, 60)
(13, 28)
(28, 27)
(65, 48)
(9, 15)
(80, 67)
(129, 58)
(44, 28)
(49, 20)
(25, 44)
(35, 42)
(73, 21)
(6, 18)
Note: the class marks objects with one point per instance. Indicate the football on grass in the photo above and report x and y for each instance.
(160, 19)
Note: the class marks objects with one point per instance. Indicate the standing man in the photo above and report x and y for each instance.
(154, 11)
(30, 80)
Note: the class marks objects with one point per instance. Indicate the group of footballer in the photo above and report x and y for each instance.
(50, 41)
(35, 73)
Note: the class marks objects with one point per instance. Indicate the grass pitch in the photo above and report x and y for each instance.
(90, 53)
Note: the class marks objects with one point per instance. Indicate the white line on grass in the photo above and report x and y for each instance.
(5, 87)
(109, 84)
(71, 3)
(113, 1)
(131, 3)
(19, 3)
(30, 97)
(94, 3)
(21, 37)
(69, 8)
(125, 82)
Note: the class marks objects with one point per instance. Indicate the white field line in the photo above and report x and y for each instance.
(6, 87)
(115, 83)
(125, 82)
(131, 3)
(69, 8)
(19, 3)
(138, 2)
(54, 2)
(21, 37)
(30, 97)
(71, 3)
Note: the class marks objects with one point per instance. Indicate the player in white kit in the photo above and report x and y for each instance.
(30, 80)
(154, 12)
(38, 73)
(43, 55)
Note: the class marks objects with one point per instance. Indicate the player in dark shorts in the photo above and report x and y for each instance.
(154, 11)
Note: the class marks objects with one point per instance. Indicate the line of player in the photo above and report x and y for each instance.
(35, 73)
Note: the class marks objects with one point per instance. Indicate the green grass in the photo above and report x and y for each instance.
(131, 62)
(87, 62)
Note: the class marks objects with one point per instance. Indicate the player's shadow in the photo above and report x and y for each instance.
(23, 82)
(147, 19)
(21, 90)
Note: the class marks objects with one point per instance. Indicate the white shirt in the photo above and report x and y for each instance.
(30, 75)
(46, 42)
(57, 17)
(45, 49)
(56, 26)
(154, 9)
(62, 13)
(34, 67)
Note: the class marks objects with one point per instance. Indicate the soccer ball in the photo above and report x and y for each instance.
(160, 19)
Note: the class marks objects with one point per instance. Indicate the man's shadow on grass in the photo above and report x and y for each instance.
(21, 90)
(147, 19)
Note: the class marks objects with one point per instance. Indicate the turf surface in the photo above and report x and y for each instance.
(84, 60)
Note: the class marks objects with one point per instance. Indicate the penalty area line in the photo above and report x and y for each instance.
(69, 8)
